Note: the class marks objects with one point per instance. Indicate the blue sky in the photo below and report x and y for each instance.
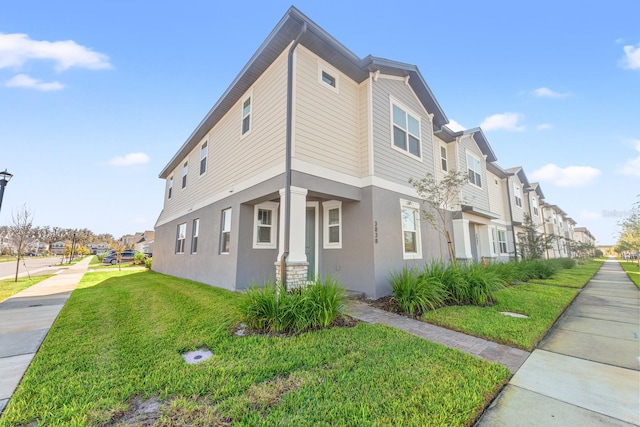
(96, 97)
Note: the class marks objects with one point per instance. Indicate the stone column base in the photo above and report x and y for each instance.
(296, 274)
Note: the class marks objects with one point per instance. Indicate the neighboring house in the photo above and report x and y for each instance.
(128, 240)
(556, 224)
(145, 242)
(583, 235)
(96, 248)
(58, 248)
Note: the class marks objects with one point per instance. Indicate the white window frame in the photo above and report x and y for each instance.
(517, 194)
(195, 231)
(406, 205)
(170, 190)
(273, 241)
(477, 173)
(185, 172)
(444, 159)
(494, 240)
(225, 229)
(181, 237)
(326, 207)
(502, 233)
(204, 153)
(331, 73)
(409, 113)
(534, 203)
(248, 115)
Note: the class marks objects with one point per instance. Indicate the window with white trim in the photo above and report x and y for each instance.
(195, 231)
(475, 170)
(170, 190)
(265, 219)
(204, 150)
(534, 202)
(411, 242)
(181, 236)
(225, 231)
(185, 170)
(493, 241)
(443, 158)
(517, 193)
(332, 219)
(405, 131)
(246, 116)
(502, 241)
(328, 78)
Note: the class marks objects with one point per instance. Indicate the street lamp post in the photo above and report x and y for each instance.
(5, 177)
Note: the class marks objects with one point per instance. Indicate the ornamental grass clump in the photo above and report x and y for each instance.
(272, 309)
(482, 284)
(416, 292)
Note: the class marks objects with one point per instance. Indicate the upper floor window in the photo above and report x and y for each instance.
(225, 231)
(328, 78)
(204, 150)
(518, 195)
(195, 231)
(181, 235)
(474, 169)
(332, 224)
(412, 246)
(170, 191)
(406, 131)
(185, 170)
(443, 158)
(264, 230)
(246, 115)
(534, 203)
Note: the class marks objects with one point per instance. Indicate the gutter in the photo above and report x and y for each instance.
(513, 229)
(287, 184)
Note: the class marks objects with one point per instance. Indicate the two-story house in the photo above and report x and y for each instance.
(304, 163)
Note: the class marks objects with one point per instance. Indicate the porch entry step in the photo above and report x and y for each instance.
(355, 295)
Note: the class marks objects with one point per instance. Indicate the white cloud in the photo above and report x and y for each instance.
(545, 92)
(632, 166)
(544, 126)
(631, 59)
(571, 176)
(22, 80)
(17, 49)
(506, 121)
(130, 159)
(455, 126)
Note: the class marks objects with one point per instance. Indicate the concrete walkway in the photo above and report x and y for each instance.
(586, 371)
(510, 357)
(25, 320)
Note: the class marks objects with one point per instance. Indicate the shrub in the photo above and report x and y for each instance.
(416, 293)
(538, 269)
(271, 309)
(482, 284)
(139, 259)
(565, 263)
(148, 262)
(507, 271)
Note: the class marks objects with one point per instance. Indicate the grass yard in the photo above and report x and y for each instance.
(543, 304)
(633, 271)
(575, 277)
(9, 287)
(118, 341)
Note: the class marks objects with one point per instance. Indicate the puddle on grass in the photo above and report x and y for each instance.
(197, 356)
(518, 315)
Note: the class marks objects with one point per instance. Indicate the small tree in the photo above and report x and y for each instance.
(438, 198)
(21, 230)
(533, 244)
(629, 239)
(119, 248)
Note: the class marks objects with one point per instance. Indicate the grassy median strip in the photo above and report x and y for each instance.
(633, 271)
(10, 287)
(575, 277)
(119, 339)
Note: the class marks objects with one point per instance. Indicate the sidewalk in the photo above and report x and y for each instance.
(25, 320)
(586, 371)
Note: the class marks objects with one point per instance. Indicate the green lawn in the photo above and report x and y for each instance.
(120, 336)
(633, 271)
(9, 287)
(575, 277)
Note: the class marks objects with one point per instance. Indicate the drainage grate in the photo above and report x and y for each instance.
(518, 315)
(197, 356)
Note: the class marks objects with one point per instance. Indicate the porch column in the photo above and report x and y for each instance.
(462, 239)
(296, 262)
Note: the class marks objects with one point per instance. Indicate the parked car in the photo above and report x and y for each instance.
(126, 256)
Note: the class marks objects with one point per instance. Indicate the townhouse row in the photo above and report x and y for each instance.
(302, 168)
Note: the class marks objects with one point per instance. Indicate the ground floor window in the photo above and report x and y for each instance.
(225, 232)
(194, 235)
(181, 235)
(502, 241)
(410, 213)
(332, 213)
(265, 219)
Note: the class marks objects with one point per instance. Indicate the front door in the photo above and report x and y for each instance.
(310, 242)
(473, 237)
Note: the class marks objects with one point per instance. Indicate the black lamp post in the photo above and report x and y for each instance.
(5, 177)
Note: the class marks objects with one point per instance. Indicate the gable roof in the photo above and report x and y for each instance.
(324, 45)
(521, 175)
(534, 186)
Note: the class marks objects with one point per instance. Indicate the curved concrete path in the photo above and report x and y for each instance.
(25, 320)
(586, 371)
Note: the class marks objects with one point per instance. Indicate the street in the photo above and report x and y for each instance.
(34, 266)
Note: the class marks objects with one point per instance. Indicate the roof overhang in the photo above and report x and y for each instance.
(480, 212)
(482, 142)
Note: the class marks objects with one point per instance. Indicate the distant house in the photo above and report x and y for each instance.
(58, 248)
(145, 242)
(97, 248)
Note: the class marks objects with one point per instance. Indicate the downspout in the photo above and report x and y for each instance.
(287, 173)
(513, 229)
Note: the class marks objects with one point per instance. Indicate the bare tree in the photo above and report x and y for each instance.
(438, 199)
(21, 230)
